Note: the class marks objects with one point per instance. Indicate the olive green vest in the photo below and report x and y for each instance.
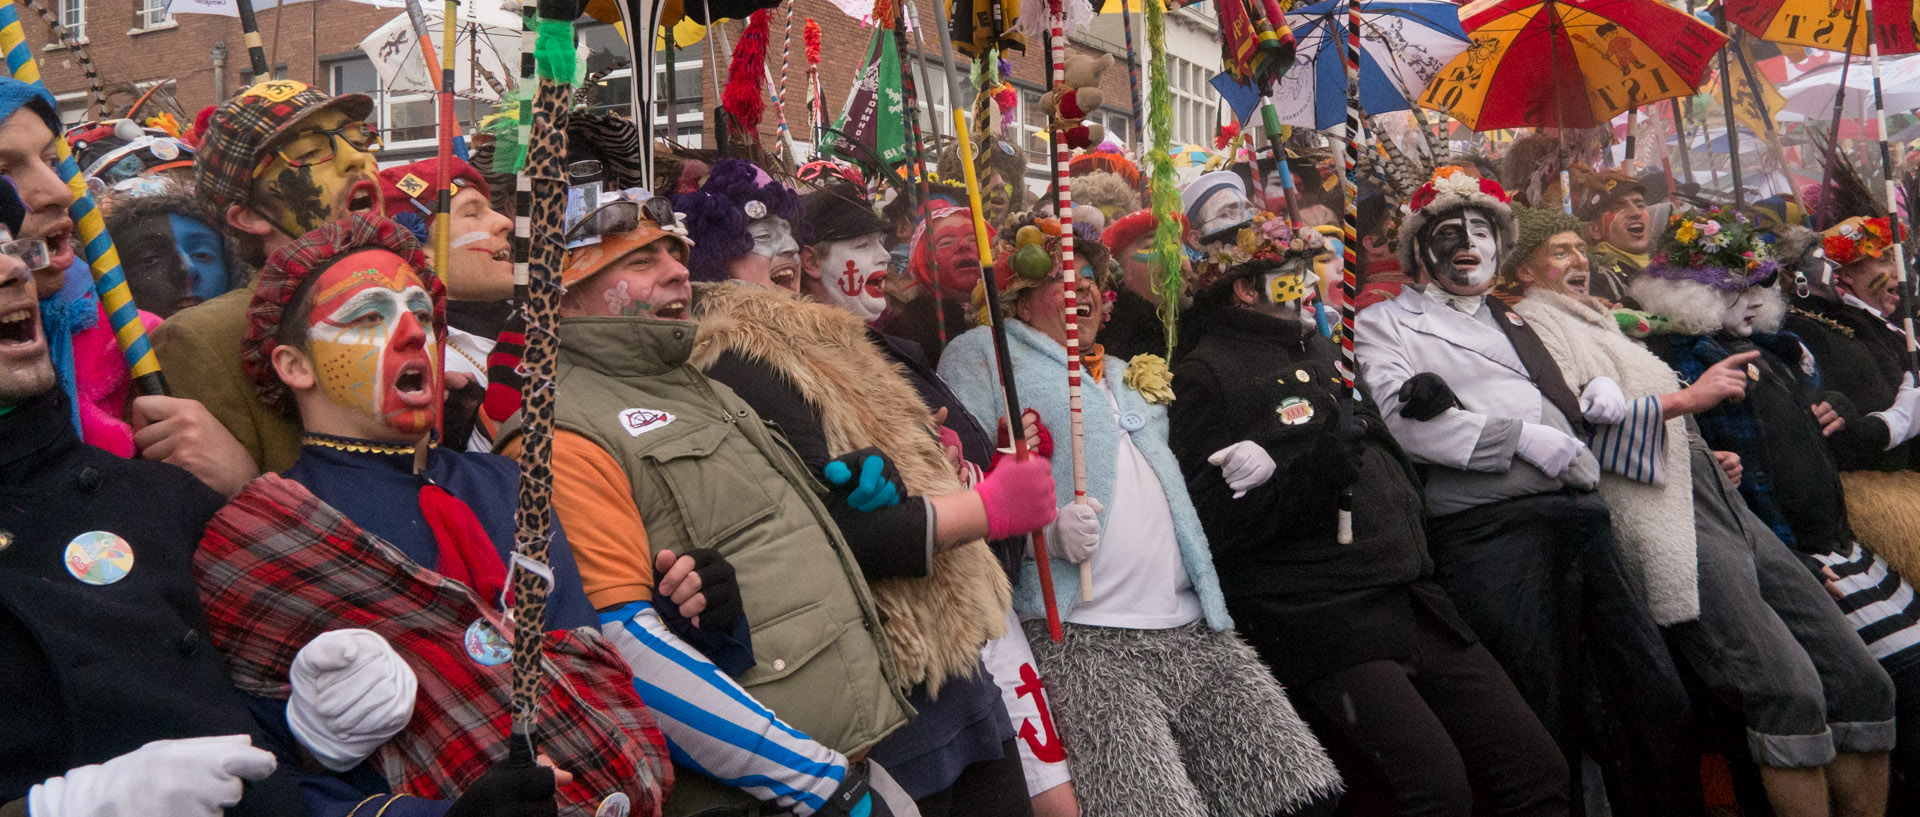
(708, 473)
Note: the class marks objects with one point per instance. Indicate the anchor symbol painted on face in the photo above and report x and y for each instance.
(851, 284)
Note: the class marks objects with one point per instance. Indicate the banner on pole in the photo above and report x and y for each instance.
(875, 116)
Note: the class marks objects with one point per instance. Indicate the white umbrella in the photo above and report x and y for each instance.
(1811, 94)
(485, 32)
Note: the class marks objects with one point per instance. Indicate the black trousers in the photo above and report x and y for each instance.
(1433, 728)
(1540, 581)
(990, 788)
(1905, 797)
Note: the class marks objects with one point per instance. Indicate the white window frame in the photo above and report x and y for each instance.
(66, 11)
(153, 14)
(1193, 108)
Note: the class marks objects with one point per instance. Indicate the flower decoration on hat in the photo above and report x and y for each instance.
(1267, 241)
(1856, 239)
(1716, 248)
(1451, 190)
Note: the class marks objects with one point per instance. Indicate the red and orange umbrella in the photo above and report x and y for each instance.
(1833, 25)
(1569, 63)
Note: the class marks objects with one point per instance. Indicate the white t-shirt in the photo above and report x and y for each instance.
(1139, 582)
(467, 353)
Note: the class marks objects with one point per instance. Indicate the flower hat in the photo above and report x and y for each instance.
(1857, 238)
(1718, 248)
(1451, 190)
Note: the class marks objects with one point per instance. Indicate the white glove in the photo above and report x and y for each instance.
(351, 692)
(1075, 532)
(1900, 417)
(1548, 448)
(1602, 402)
(1245, 465)
(195, 777)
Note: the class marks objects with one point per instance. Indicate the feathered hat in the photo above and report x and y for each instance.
(1449, 191)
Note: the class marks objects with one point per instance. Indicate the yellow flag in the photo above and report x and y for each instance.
(1758, 112)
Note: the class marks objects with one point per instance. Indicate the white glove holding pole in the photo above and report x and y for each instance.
(1075, 532)
(195, 777)
(1548, 448)
(351, 693)
(1900, 417)
(1245, 465)
(1602, 402)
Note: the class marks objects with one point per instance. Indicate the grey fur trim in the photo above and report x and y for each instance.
(1184, 722)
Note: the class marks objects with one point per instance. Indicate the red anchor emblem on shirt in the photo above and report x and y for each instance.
(1050, 750)
(852, 284)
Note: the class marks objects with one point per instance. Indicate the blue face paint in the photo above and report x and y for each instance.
(205, 253)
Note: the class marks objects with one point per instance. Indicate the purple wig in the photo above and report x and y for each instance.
(716, 216)
(1716, 277)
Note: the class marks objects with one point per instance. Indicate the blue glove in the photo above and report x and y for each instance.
(878, 485)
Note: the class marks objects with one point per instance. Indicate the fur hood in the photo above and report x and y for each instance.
(1696, 309)
(937, 624)
(1653, 521)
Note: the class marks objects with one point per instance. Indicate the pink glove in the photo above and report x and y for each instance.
(1018, 495)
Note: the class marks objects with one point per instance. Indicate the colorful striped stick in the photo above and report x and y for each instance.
(1350, 233)
(449, 125)
(95, 246)
(1900, 236)
(250, 31)
(1069, 287)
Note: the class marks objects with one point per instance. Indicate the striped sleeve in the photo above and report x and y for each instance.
(1636, 447)
(712, 725)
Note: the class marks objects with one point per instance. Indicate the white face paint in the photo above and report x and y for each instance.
(853, 274)
(1742, 310)
(773, 239)
(1222, 209)
(1462, 252)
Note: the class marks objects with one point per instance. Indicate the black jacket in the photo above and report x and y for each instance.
(1308, 603)
(1860, 357)
(94, 672)
(1133, 327)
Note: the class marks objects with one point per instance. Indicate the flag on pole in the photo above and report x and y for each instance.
(1758, 113)
(876, 111)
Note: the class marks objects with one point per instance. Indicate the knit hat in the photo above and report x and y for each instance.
(244, 127)
(1106, 158)
(1717, 249)
(407, 190)
(1856, 238)
(293, 265)
(1206, 185)
(15, 94)
(1448, 192)
(1129, 228)
(839, 212)
(1597, 192)
(717, 214)
(1534, 226)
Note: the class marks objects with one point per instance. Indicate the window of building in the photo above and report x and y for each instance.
(1192, 114)
(152, 12)
(677, 92)
(73, 17)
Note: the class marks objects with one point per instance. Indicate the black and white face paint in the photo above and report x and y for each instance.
(1461, 252)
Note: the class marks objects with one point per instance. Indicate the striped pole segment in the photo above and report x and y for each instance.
(89, 226)
(449, 126)
(1350, 235)
(250, 31)
(1069, 288)
(1902, 276)
(780, 90)
(523, 131)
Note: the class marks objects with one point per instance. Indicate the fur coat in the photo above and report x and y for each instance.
(937, 624)
(1654, 523)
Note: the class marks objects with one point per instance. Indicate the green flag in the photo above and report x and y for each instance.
(874, 119)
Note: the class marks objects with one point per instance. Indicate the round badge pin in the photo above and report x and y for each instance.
(617, 804)
(165, 150)
(1515, 319)
(1301, 375)
(486, 646)
(1294, 410)
(99, 558)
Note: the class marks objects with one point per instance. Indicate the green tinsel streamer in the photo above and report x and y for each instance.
(509, 154)
(1167, 251)
(553, 52)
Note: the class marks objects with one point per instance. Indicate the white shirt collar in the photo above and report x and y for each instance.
(1468, 305)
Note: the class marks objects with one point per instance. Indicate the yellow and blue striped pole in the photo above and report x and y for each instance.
(95, 246)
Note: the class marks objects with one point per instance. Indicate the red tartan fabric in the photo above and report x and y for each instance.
(278, 566)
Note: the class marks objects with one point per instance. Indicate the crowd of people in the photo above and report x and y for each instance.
(1606, 491)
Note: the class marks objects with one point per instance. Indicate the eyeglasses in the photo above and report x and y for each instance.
(319, 146)
(29, 251)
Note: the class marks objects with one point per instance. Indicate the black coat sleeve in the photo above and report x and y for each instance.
(886, 542)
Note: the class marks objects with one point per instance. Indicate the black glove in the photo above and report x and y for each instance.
(722, 590)
(866, 478)
(514, 788)
(1424, 396)
(461, 411)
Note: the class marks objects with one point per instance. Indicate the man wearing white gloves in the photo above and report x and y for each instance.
(351, 692)
(1367, 644)
(1520, 541)
(116, 703)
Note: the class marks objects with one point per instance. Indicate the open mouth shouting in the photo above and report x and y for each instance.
(364, 197)
(59, 240)
(1575, 280)
(20, 328)
(1465, 264)
(412, 386)
(674, 310)
(1636, 229)
(785, 275)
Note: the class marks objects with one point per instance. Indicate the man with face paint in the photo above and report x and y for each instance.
(745, 227)
(1510, 493)
(277, 160)
(1734, 602)
(1133, 321)
(345, 335)
(1614, 205)
(1216, 205)
(173, 256)
(1787, 432)
(1365, 640)
(944, 262)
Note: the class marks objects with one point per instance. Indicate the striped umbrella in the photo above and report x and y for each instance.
(1403, 44)
(1830, 25)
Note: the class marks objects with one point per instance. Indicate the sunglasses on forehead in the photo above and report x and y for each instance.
(623, 216)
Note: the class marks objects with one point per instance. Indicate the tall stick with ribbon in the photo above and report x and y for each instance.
(95, 246)
(1891, 180)
(997, 327)
(1069, 282)
(1350, 233)
(1163, 196)
(449, 124)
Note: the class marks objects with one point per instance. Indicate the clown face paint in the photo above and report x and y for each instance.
(1222, 210)
(370, 332)
(1742, 309)
(957, 256)
(1461, 252)
(775, 259)
(1559, 265)
(298, 199)
(998, 198)
(853, 273)
(1628, 225)
(1291, 295)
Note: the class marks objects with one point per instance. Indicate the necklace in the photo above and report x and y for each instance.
(358, 446)
(1823, 320)
(477, 365)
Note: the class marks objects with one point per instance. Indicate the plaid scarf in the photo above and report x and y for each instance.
(278, 566)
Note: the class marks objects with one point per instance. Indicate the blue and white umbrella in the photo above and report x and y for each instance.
(1403, 43)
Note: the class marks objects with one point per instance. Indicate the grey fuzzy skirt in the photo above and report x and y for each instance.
(1183, 722)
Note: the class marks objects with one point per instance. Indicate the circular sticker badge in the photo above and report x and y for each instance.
(486, 646)
(1295, 410)
(617, 804)
(99, 558)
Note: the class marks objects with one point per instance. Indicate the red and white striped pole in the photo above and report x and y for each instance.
(1349, 283)
(1070, 285)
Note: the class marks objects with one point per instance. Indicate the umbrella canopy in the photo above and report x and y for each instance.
(1403, 43)
(484, 32)
(1833, 25)
(1811, 94)
(1569, 63)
